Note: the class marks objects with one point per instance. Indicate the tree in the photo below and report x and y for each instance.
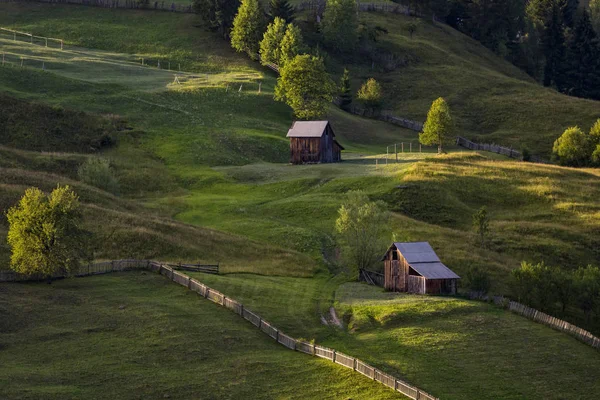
(248, 27)
(98, 172)
(340, 25)
(478, 280)
(587, 285)
(411, 28)
(281, 9)
(217, 14)
(553, 47)
(370, 94)
(438, 127)
(305, 86)
(44, 233)
(270, 46)
(360, 224)
(569, 8)
(481, 222)
(595, 132)
(572, 148)
(524, 283)
(595, 14)
(562, 287)
(345, 90)
(582, 64)
(291, 44)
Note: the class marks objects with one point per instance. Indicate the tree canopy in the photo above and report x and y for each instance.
(281, 9)
(370, 94)
(217, 14)
(340, 25)
(291, 44)
(572, 148)
(44, 233)
(270, 46)
(305, 86)
(248, 27)
(438, 127)
(345, 90)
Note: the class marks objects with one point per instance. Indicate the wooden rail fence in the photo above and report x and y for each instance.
(371, 277)
(250, 316)
(129, 4)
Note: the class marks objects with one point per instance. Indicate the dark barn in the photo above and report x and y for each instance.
(415, 268)
(313, 142)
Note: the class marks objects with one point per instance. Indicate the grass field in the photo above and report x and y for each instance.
(139, 336)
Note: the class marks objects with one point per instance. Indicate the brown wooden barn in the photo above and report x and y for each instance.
(415, 268)
(313, 142)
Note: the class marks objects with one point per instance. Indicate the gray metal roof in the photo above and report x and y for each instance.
(434, 270)
(417, 252)
(307, 129)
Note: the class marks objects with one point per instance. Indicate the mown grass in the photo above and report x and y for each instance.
(137, 335)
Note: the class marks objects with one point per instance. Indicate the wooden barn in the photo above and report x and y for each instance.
(415, 268)
(313, 142)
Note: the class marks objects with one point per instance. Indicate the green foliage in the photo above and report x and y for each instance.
(595, 14)
(340, 25)
(438, 127)
(345, 90)
(572, 148)
(478, 280)
(411, 28)
(217, 14)
(248, 26)
(305, 86)
(360, 224)
(270, 46)
(98, 172)
(44, 233)
(291, 44)
(481, 222)
(281, 9)
(370, 94)
(587, 288)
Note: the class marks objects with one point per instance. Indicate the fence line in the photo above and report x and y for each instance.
(385, 116)
(18, 34)
(129, 4)
(494, 148)
(219, 298)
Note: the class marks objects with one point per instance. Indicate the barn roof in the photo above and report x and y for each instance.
(307, 129)
(434, 270)
(417, 252)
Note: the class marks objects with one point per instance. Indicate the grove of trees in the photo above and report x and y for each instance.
(577, 148)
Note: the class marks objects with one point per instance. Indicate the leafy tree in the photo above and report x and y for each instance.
(438, 127)
(411, 28)
(481, 222)
(524, 283)
(340, 25)
(217, 14)
(281, 9)
(587, 284)
(291, 44)
(345, 90)
(595, 132)
(248, 27)
(360, 224)
(595, 14)
(98, 172)
(270, 46)
(370, 94)
(305, 86)
(583, 61)
(44, 233)
(572, 148)
(478, 280)
(563, 287)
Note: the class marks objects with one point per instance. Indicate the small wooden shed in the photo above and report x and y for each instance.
(313, 142)
(415, 268)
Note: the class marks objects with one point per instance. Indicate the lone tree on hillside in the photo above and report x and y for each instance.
(281, 9)
(345, 91)
(270, 46)
(595, 138)
(340, 25)
(370, 94)
(248, 27)
(438, 127)
(481, 222)
(360, 224)
(44, 233)
(572, 148)
(411, 28)
(218, 14)
(291, 44)
(305, 86)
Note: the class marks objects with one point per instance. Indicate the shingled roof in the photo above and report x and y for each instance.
(308, 129)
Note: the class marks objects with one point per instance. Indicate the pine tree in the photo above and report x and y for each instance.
(291, 44)
(281, 9)
(345, 90)
(570, 8)
(270, 46)
(438, 127)
(248, 27)
(595, 15)
(340, 25)
(583, 65)
(218, 14)
(553, 47)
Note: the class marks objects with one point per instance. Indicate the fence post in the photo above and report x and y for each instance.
(333, 356)
(242, 310)
(396, 150)
(354, 364)
(314, 349)
(277, 335)
(206, 292)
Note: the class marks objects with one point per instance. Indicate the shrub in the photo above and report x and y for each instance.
(370, 94)
(98, 172)
(572, 148)
(478, 280)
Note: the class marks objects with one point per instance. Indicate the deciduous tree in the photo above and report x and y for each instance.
(438, 127)
(572, 148)
(340, 25)
(44, 233)
(370, 94)
(305, 86)
(248, 28)
(270, 46)
(481, 222)
(291, 44)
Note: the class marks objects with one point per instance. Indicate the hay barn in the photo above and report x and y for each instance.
(313, 142)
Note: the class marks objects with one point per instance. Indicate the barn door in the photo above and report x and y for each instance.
(395, 275)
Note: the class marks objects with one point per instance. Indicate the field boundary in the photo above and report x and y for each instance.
(255, 319)
(494, 148)
(126, 4)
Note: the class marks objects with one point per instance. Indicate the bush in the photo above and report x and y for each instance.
(370, 94)
(98, 172)
(478, 280)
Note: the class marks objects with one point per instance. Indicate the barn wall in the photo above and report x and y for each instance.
(416, 284)
(305, 150)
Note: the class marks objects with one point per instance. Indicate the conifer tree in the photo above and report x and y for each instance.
(281, 9)
(345, 90)
(570, 12)
(291, 44)
(340, 25)
(248, 27)
(595, 15)
(438, 127)
(270, 46)
(217, 14)
(583, 64)
(553, 46)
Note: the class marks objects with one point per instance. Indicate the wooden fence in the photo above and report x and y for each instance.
(266, 327)
(206, 268)
(494, 148)
(386, 116)
(129, 4)
(371, 277)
